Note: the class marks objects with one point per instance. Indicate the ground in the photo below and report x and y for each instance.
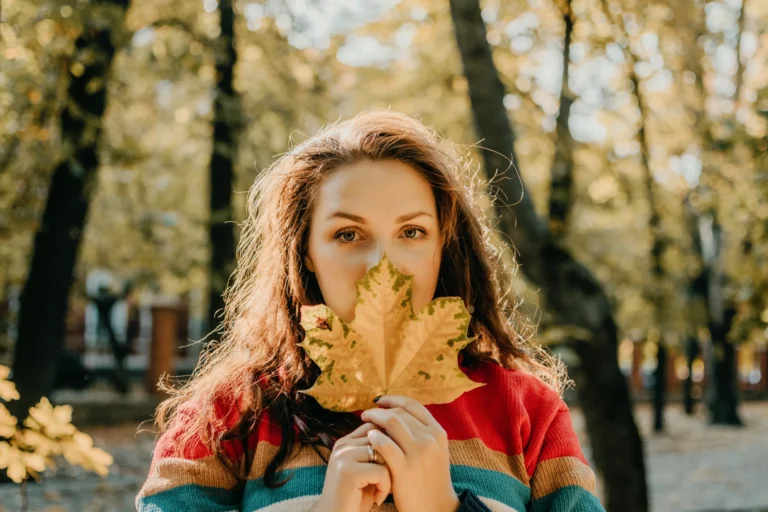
(692, 467)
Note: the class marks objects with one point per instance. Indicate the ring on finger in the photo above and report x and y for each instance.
(373, 456)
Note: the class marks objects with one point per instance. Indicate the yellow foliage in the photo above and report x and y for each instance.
(47, 432)
(79, 450)
(7, 422)
(55, 421)
(20, 464)
(388, 348)
(7, 388)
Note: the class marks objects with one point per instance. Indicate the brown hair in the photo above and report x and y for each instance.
(258, 364)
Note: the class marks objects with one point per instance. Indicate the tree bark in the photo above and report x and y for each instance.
(569, 290)
(221, 235)
(659, 387)
(722, 394)
(45, 296)
(658, 245)
(691, 353)
(560, 197)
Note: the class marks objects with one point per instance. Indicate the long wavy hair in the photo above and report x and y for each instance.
(257, 363)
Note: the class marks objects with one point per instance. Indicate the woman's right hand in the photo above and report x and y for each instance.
(352, 484)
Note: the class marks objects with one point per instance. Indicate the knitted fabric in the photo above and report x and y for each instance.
(511, 444)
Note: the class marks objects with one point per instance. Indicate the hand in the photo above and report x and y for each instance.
(415, 448)
(352, 484)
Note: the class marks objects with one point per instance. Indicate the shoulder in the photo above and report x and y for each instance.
(527, 390)
(539, 414)
(530, 403)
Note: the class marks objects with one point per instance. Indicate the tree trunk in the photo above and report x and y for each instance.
(691, 352)
(659, 387)
(722, 393)
(570, 291)
(44, 299)
(560, 197)
(655, 286)
(221, 234)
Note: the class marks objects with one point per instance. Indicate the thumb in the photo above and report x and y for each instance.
(380, 495)
(368, 498)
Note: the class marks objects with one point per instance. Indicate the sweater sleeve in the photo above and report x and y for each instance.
(562, 481)
(194, 480)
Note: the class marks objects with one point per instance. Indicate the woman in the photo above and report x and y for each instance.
(238, 435)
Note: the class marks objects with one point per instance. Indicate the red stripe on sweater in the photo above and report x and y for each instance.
(514, 413)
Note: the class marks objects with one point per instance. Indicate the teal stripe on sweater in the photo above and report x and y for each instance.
(191, 497)
(309, 481)
(568, 499)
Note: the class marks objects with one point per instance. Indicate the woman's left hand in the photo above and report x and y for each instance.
(415, 448)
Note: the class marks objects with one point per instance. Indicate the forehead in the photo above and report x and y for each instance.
(374, 187)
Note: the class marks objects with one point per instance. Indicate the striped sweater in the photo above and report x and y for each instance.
(511, 444)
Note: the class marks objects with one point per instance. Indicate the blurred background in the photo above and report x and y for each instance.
(131, 130)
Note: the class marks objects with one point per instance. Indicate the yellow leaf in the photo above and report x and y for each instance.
(56, 421)
(7, 422)
(5, 454)
(79, 450)
(17, 471)
(387, 348)
(42, 444)
(8, 390)
(34, 461)
(20, 464)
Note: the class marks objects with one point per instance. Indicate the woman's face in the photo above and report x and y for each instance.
(362, 211)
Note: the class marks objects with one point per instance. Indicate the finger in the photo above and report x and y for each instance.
(394, 425)
(359, 453)
(381, 493)
(361, 431)
(368, 498)
(388, 449)
(358, 441)
(370, 473)
(340, 448)
(377, 475)
(356, 438)
(411, 405)
(415, 426)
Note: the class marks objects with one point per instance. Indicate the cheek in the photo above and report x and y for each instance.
(426, 273)
(336, 277)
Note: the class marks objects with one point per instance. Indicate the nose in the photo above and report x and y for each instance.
(375, 255)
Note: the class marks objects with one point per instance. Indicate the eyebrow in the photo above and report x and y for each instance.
(361, 220)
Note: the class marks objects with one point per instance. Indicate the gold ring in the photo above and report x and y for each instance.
(372, 455)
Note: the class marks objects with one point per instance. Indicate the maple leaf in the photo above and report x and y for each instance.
(7, 422)
(388, 348)
(20, 463)
(54, 421)
(8, 390)
(79, 450)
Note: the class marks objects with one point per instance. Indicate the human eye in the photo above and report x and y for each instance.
(414, 232)
(345, 236)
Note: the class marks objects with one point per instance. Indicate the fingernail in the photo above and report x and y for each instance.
(377, 398)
